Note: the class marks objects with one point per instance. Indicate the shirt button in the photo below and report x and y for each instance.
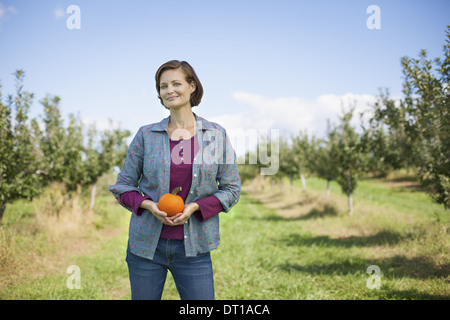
(192, 192)
(195, 175)
(185, 237)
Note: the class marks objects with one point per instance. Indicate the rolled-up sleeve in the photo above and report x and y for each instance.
(228, 177)
(133, 200)
(129, 176)
(209, 207)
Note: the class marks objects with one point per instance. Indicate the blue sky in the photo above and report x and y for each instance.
(263, 64)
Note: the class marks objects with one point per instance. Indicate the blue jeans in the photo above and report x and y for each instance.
(193, 275)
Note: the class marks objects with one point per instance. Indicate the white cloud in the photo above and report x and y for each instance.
(294, 114)
(4, 13)
(59, 13)
(291, 114)
(12, 9)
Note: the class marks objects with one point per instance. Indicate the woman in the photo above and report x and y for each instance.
(187, 151)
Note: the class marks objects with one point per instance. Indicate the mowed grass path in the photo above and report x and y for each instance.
(276, 244)
(307, 247)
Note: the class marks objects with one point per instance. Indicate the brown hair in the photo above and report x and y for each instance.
(196, 96)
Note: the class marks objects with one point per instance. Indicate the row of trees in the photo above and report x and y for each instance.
(36, 152)
(412, 132)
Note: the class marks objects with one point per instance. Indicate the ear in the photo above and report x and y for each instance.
(193, 86)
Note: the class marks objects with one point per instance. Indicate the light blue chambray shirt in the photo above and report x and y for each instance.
(147, 170)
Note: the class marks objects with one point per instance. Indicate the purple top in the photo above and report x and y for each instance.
(180, 176)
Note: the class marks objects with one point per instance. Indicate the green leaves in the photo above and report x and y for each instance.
(412, 132)
(419, 124)
(18, 178)
(348, 153)
(37, 152)
(74, 155)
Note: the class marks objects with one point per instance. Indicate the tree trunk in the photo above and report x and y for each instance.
(328, 188)
(302, 177)
(350, 204)
(76, 198)
(292, 185)
(349, 192)
(93, 191)
(2, 209)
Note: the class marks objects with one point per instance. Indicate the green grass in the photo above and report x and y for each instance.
(275, 244)
(42, 267)
(373, 192)
(307, 247)
(265, 256)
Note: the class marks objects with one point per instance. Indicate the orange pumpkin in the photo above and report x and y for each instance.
(171, 203)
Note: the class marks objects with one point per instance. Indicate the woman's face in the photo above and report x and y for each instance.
(174, 90)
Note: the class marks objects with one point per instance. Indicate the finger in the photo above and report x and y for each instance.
(180, 219)
(162, 217)
(166, 220)
(172, 218)
(159, 217)
(161, 213)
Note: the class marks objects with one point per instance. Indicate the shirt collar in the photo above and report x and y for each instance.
(164, 123)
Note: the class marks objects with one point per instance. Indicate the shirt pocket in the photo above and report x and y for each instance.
(209, 169)
(209, 165)
(152, 169)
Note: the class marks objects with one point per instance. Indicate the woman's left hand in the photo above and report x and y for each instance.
(182, 217)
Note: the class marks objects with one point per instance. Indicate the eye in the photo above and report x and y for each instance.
(177, 84)
(163, 86)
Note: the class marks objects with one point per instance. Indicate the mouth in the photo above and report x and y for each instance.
(172, 98)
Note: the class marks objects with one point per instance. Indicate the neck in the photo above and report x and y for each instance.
(182, 118)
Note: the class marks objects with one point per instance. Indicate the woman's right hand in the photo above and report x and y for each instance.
(153, 208)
